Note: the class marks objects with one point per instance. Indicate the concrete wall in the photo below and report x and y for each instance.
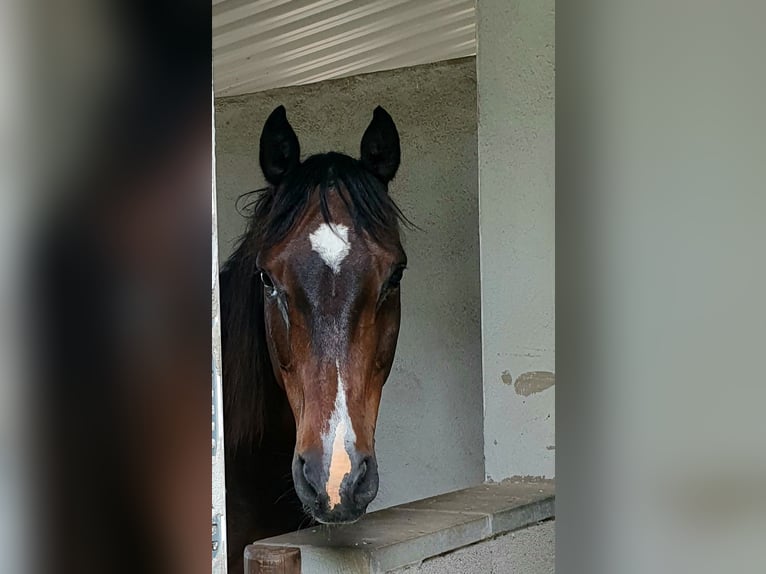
(515, 67)
(531, 550)
(429, 437)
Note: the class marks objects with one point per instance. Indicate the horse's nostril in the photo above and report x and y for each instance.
(365, 485)
(305, 469)
(361, 473)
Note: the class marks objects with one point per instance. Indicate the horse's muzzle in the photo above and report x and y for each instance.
(329, 503)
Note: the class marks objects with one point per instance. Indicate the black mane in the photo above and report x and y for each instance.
(250, 392)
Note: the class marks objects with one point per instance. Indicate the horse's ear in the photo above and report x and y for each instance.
(380, 146)
(280, 150)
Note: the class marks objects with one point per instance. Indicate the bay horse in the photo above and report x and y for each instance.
(310, 314)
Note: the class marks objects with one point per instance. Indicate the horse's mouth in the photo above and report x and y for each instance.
(338, 522)
(339, 516)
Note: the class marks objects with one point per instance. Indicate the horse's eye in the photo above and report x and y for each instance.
(268, 283)
(396, 278)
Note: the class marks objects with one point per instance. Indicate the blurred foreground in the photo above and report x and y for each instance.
(107, 290)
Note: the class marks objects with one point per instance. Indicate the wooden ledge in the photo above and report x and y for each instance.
(408, 534)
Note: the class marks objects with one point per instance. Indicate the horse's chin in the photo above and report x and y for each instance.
(331, 519)
(339, 522)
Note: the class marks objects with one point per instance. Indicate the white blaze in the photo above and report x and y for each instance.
(337, 443)
(331, 243)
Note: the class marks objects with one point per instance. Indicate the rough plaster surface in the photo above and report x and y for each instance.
(515, 67)
(429, 437)
(530, 550)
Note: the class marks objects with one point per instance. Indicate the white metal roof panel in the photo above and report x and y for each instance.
(264, 44)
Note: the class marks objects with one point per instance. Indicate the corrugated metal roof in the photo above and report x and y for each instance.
(264, 44)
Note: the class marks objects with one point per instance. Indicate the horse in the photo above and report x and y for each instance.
(310, 303)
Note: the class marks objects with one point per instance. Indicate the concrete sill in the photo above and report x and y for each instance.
(408, 534)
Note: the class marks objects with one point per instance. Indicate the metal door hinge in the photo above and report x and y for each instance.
(216, 534)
